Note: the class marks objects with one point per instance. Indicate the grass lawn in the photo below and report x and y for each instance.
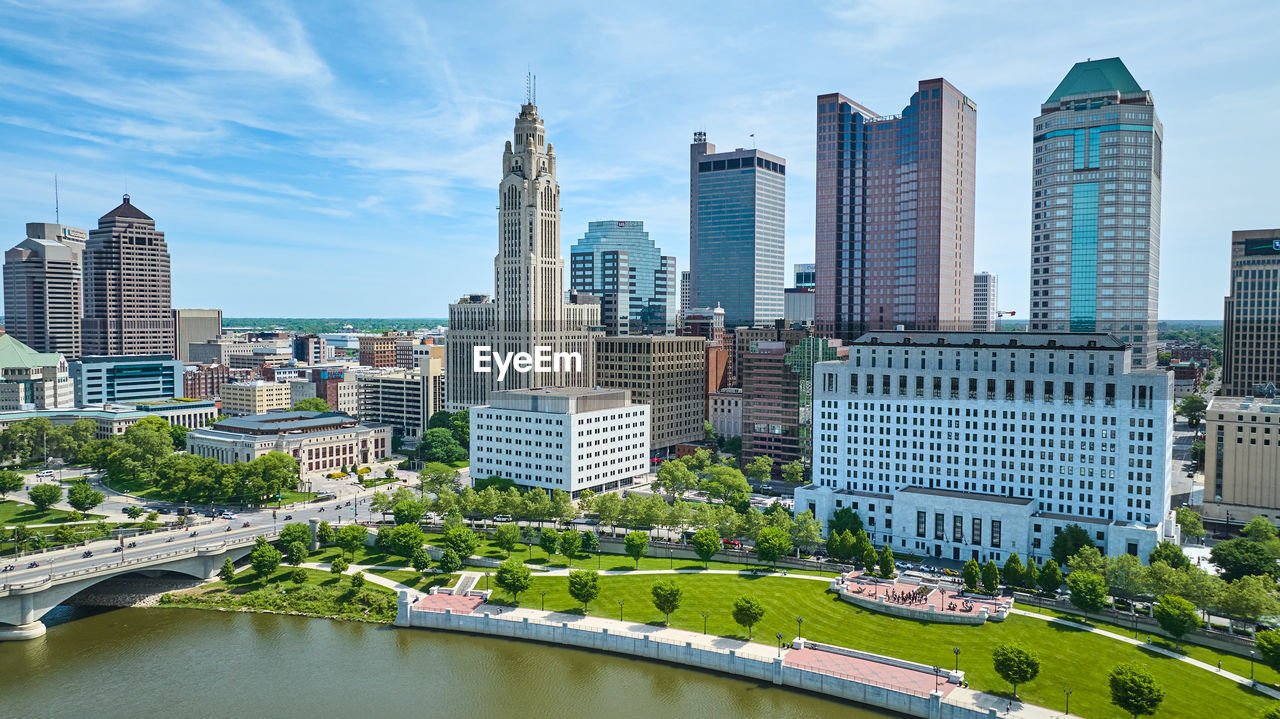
(1069, 657)
(12, 512)
(460, 464)
(323, 594)
(417, 580)
(364, 555)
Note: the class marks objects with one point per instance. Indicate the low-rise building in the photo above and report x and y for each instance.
(300, 389)
(205, 381)
(379, 350)
(565, 438)
(404, 399)
(1242, 459)
(31, 379)
(1187, 377)
(257, 397)
(125, 378)
(726, 411)
(183, 411)
(321, 442)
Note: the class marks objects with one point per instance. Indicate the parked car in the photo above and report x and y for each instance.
(502, 518)
(731, 543)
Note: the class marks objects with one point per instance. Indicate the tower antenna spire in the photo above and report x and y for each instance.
(57, 211)
(528, 87)
(535, 89)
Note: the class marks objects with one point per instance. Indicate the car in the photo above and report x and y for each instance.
(45, 474)
(228, 515)
(1191, 474)
(502, 518)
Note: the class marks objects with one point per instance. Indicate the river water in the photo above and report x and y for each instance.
(186, 663)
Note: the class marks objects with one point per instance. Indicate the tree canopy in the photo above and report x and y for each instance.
(312, 404)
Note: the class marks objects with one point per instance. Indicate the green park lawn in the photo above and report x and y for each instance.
(1069, 657)
(323, 595)
(417, 580)
(12, 512)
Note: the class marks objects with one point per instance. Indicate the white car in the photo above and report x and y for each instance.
(228, 515)
(45, 474)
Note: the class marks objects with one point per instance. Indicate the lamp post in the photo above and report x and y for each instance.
(620, 603)
(956, 650)
(779, 636)
(1067, 691)
(1251, 652)
(486, 580)
(937, 678)
(544, 600)
(799, 623)
(705, 614)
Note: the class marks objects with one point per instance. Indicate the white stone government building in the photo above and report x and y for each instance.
(321, 442)
(976, 445)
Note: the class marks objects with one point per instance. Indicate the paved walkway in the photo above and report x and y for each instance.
(371, 578)
(868, 671)
(1244, 681)
(737, 572)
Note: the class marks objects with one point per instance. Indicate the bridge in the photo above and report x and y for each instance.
(28, 592)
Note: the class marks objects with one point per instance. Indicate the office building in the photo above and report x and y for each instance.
(299, 389)
(984, 302)
(777, 397)
(666, 373)
(31, 380)
(181, 412)
(1251, 316)
(895, 204)
(1242, 453)
(43, 288)
(127, 309)
(403, 399)
(724, 411)
(799, 305)
(310, 350)
(321, 442)
(412, 350)
(256, 397)
(737, 223)
(222, 349)
(528, 313)
(1095, 208)
(744, 338)
(805, 275)
(685, 296)
(379, 350)
(564, 438)
(191, 325)
(617, 261)
(977, 445)
(204, 381)
(125, 378)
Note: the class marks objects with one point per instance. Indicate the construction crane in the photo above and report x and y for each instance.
(1000, 315)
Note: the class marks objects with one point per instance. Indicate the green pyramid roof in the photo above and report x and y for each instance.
(1095, 76)
(15, 354)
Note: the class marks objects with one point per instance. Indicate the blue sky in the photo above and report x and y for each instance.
(342, 159)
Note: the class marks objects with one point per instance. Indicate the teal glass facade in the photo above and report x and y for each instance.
(617, 261)
(1084, 257)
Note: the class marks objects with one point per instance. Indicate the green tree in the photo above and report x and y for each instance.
(299, 576)
(1013, 570)
(311, 404)
(1015, 663)
(1088, 591)
(636, 545)
(439, 445)
(584, 587)
(462, 541)
(1236, 558)
(771, 544)
(1030, 576)
(1169, 553)
(1088, 559)
(10, 481)
(1134, 690)
(747, 612)
(421, 560)
(570, 543)
(133, 512)
(1176, 616)
(990, 577)
(408, 511)
(1125, 575)
(666, 598)
(83, 497)
(1189, 522)
(1197, 452)
(1249, 598)
(760, 469)
(1259, 530)
(1192, 407)
(886, 562)
(435, 476)
(295, 532)
(351, 538)
(972, 575)
(506, 536)
(1068, 542)
(806, 533)
(676, 478)
(514, 577)
(228, 571)
(840, 545)
(1268, 645)
(338, 565)
(295, 553)
(405, 539)
(844, 520)
(706, 542)
(608, 509)
(549, 541)
(793, 472)
(326, 534)
(44, 496)
(1050, 577)
(264, 559)
(357, 580)
(590, 542)
(449, 562)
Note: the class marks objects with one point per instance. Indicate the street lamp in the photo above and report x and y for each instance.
(1251, 666)
(957, 653)
(486, 580)
(779, 636)
(705, 614)
(937, 678)
(799, 623)
(1067, 691)
(544, 599)
(620, 603)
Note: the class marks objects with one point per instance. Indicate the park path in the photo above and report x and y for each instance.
(371, 578)
(1243, 681)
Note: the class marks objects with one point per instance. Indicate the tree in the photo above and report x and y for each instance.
(844, 520)
(1237, 558)
(1176, 616)
(264, 559)
(408, 511)
(357, 580)
(439, 445)
(83, 497)
(793, 471)
(295, 553)
(133, 512)
(724, 482)
(636, 545)
(771, 544)
(1169, 553)
(1259, 530)
(990, 577)
(381, 503)
(1249, 598)
(747, 612)
(506, 536)
(972, 574)
(44, 496)
(608, 509)
(1268, 645)
(326, 534)
(840, 545)
(435, 476)
(295, 532)
(10, 481)
(338, 565)
(1189, 521)
(760, 469)
(514, 577)
(1013, 570)
(666, 598)
(570, 543)
(228, 571)
(584, 586)
(299, 576)
(1088, 591)
(311, 404)
(549, 541)
(806, 533)
(1197, 452)
(462, 541)
(706, 542)
(1030, 576)
(449, 562)
(1088, 559)
(405, 539)
(351, 538)
(1068, 542)
(1015, 663)
(1050, 577)
(590, 542)
(676, 478)
(1134, 690)
(886, 562)
(1192, 407)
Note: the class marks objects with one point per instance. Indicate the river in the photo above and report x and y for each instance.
(193, 663)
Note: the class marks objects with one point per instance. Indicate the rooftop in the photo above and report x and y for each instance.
(1025, 340)
(15, 354)
(1244, 404)
(284, 422)
(128, 210)
(1095, 76)
(972, 496)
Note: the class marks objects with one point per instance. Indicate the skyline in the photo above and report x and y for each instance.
(275, 157)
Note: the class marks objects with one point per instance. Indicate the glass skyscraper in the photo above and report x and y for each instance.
(1095, 203)
(618, 262)
(736, 232)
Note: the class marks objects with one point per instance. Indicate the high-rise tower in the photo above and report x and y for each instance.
(528, 310)
(617, 261)
(43, 288)
(126, 286)
(1095, 208)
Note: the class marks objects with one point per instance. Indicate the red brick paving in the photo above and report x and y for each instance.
(441, 602)
(824, 662)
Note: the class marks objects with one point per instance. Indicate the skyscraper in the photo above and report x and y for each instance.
(737, 231)
(1095, 204)
(984, 302)
(192, 325)
(617, 261)
(528, 310)
(685, 296)
(1251, 316)
(895, 202)
(126, 287)
(43, 289)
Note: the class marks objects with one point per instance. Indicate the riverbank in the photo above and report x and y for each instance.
(322, 595)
